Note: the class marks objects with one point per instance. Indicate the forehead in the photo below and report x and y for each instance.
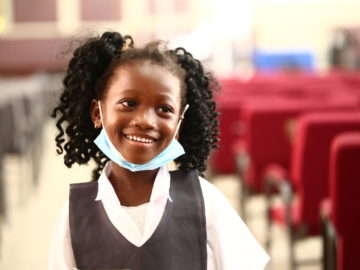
(146, 78)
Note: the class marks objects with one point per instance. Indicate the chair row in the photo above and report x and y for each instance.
(304, 93)
(276, 134)
(304, 182)
(25, 103)
(282, 146)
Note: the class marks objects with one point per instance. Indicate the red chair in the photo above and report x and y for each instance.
(235, 94)
(231, 128)
(341, 212)
(268, 129)
(308, 175)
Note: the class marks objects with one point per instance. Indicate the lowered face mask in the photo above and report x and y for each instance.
(171, 152)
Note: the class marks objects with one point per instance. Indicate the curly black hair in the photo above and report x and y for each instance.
(88, 75)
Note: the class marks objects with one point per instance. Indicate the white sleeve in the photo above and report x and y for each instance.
(61, 255)
(233, 245)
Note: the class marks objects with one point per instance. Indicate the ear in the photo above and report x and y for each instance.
(95, 113)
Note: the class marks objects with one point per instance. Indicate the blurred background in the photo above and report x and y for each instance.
(290, 120)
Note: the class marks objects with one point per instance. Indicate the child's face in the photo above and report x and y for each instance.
(141, 110)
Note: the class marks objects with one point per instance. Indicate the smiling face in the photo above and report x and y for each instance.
(141, 109)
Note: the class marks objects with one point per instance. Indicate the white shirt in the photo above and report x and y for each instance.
(230, 244)
(138, 215)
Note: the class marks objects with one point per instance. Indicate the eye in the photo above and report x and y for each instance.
(128, 103)
(166, 109)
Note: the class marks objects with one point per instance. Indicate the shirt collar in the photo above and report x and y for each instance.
(161, 184)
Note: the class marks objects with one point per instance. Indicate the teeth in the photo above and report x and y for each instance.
(138, 139)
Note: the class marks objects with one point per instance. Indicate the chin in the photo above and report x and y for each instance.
(139, 161)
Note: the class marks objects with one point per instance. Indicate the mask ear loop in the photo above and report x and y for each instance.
(181, 119)
(101, 116)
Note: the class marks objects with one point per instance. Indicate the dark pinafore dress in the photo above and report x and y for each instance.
(178, 243)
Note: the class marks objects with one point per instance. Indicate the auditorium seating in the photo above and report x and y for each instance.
(307, 182)
(25, 103)
(236, 94)
(268, 135)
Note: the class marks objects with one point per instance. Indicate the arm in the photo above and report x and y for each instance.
(232, 244)
(61, 255)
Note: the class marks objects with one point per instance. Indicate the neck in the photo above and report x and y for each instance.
(132, 188)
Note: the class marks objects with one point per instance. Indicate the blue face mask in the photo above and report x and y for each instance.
(171, 152)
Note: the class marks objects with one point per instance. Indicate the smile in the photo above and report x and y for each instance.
(139, 139)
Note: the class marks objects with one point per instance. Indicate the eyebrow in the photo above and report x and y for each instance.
(130, 90)
(169, 97)
(166, 96)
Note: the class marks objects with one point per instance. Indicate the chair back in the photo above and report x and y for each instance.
(268, 131)
(344, 185)
(310, 159)
(344, 192)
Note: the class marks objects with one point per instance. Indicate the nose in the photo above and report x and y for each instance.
(145, 119)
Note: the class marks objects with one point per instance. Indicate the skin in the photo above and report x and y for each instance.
(143, 101)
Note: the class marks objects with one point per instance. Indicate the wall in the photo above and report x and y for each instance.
(302, 24)
(33, 33)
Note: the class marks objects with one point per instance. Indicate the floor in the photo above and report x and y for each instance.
(34, 208)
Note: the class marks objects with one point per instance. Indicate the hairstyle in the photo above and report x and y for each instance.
(90, 71)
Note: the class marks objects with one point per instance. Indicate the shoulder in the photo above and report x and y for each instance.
(83, 185)
(88, 190)
(216, 204)
(212, 194)
(209, 190)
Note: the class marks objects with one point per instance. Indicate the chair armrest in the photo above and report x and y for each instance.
(242, 158)
(276, 173)
(325, 208)
(327, 225)
(276, 180)
(329, 236)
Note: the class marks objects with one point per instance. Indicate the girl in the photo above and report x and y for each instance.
(132, 110)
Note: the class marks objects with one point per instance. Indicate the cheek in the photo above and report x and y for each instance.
(114, 125)
(171, 128)
(115, 117)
